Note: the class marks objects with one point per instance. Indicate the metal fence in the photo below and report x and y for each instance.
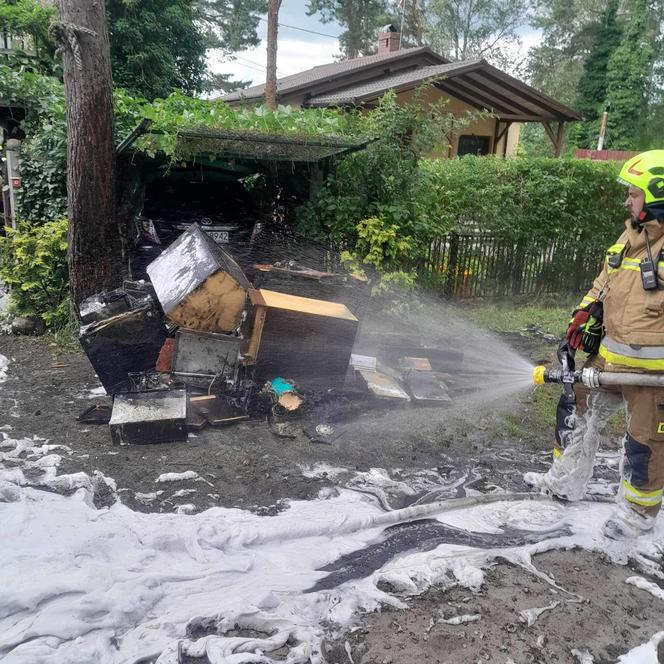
(487, 265)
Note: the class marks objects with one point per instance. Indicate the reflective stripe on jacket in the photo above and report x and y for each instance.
(633, 316)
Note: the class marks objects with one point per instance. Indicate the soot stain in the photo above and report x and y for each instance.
(422, 535)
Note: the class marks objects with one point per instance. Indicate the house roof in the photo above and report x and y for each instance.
(362, 80)
(338, 70)
(369, 90)
(474, 82)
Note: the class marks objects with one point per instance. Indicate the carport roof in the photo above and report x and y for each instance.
(260, 146)
(474, 82)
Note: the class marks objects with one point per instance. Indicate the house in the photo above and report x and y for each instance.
(469, 85)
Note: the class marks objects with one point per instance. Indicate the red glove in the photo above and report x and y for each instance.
(576, 327)
(585, 328)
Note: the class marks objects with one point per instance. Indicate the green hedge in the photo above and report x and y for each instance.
(527, 198)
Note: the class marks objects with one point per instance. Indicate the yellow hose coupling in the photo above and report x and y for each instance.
(538, 374)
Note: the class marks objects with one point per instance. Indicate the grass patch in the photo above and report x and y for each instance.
(548, 314)
(535, 417)
(64, 340)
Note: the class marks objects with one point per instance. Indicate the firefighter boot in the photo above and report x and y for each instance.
(641, 478)
(627, 523)
(542, 483)
(572, 467)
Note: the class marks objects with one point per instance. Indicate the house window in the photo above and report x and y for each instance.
(469, 144)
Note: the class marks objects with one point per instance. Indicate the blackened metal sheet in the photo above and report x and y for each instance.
(187, 263)
(201, 357)
(423, 535)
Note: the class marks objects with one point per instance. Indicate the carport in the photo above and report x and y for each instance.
(233, 179)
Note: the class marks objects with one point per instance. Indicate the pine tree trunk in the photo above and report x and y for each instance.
(416, 18)
(272, 31)
(353, 31)
(94, 255)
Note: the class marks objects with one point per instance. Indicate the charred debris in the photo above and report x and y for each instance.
(197, 344)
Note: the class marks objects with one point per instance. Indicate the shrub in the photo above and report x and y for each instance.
(33, 261)
(529, 199)
(380, 198)
(384, 180)
(43, 196)
(378, 256)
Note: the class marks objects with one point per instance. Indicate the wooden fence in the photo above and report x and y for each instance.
(486, 265)
(604, 155)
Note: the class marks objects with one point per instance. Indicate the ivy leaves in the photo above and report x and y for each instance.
(44, 152)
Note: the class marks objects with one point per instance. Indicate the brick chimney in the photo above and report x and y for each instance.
(388, 40)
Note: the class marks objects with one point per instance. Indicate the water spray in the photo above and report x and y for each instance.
(594, 378)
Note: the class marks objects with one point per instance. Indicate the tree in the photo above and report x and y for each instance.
(230, 25)
(568, 32)
(222, 83)
(467, 29)
(591, 91)
(361, 18)
(272, 31)
(555, 65)
(156, 46)
(628, 82)
(94, 252)
(409, 17)
(29, 19)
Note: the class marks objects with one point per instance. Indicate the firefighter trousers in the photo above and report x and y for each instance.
(642, 466)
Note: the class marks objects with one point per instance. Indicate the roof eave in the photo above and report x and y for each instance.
(570, 114)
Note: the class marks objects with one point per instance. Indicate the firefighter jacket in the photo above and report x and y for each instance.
(633, 316)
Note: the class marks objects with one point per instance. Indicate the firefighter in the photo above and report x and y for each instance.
(580, 425)
(626, 306)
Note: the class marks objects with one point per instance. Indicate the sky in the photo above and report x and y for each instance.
(298, 48)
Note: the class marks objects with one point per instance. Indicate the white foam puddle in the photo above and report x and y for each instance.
(4, 368)
(643, 654)
(81, 585)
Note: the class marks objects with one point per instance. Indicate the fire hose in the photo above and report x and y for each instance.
(594, 378)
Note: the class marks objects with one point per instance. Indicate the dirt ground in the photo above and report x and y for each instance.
(606, 620)
(246, 466)
(243, 465)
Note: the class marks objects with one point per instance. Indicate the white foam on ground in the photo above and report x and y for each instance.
(643, 654)
(5, 303)
(648, 586)
(147, 497)
(319, 470)
(93, 393)
(115, 586)
(4, 368)
(177, 477)
(183, 492)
